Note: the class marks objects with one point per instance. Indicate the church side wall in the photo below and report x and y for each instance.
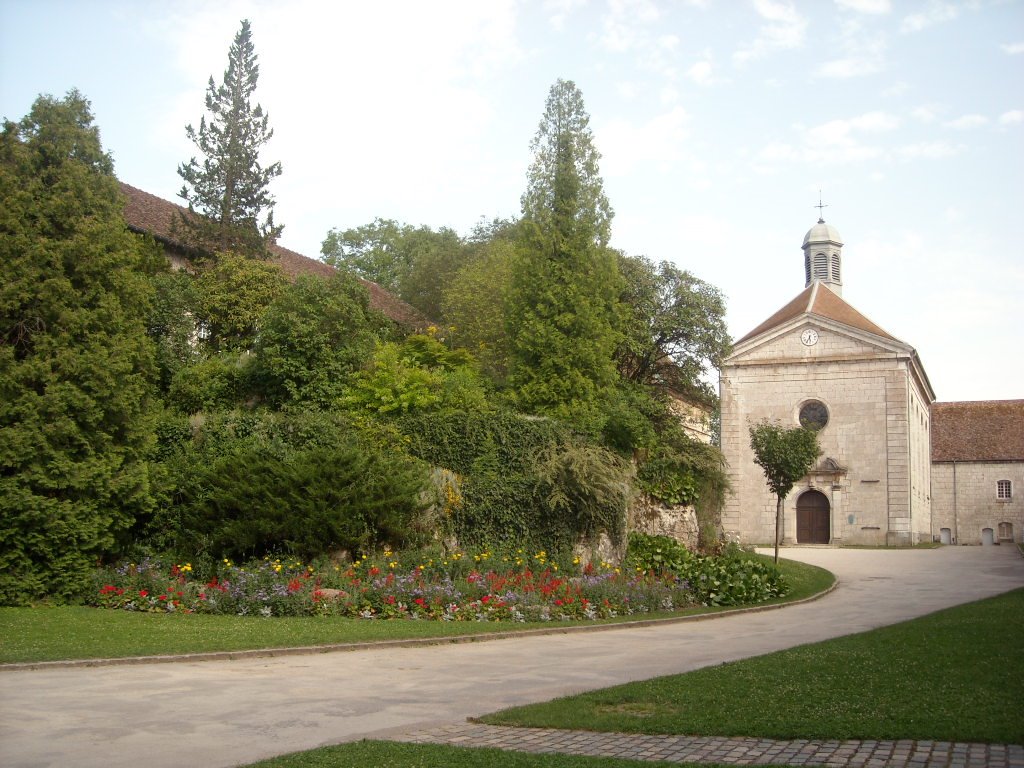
(919, 415)
(964, 501)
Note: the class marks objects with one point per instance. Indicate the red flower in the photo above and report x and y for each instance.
(143, 593)
(420, 601)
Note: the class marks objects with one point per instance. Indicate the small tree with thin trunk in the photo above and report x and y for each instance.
(785, 455)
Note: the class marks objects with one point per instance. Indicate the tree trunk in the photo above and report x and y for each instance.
(778, 527)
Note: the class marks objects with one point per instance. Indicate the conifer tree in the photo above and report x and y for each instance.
(229, 188)
(76, 365)
(563, 303)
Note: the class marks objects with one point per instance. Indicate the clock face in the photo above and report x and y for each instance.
(809, 337)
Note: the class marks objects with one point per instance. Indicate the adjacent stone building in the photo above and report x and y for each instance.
(978, 472)
(821, 363)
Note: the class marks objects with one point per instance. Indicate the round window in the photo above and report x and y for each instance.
(813, 415)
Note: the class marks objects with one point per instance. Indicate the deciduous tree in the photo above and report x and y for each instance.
(675, 326)
(785, 455)
(229, 189)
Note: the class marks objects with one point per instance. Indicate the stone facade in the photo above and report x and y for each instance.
(874, 469)
(965, 505)
(818, 354)
(978, 472)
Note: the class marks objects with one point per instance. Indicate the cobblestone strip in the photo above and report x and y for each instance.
(744, 751)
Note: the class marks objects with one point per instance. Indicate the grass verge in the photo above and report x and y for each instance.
(383, 754)
(955, 675)
(54, 634)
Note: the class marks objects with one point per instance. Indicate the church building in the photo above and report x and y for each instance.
(819, 362)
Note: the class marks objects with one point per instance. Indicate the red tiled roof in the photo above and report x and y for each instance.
(153, 215)
(818, 300)
(985, 430)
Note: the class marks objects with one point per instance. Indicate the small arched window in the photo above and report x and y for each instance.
(835, 268)
(807, 268)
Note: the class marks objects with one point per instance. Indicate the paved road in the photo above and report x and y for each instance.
(225, 713)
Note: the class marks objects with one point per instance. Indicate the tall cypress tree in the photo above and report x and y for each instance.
(563, 303)
(229, 188)
(76, 365)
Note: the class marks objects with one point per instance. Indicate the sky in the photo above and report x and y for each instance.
(721, 125)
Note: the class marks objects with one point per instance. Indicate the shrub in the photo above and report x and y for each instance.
(734, 578)
(306, 483)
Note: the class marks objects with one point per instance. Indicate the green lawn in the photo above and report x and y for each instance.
(956, 675)
(383, 754)
(50, 634)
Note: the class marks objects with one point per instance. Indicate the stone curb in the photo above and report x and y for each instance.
(384, 644)
(862, 753)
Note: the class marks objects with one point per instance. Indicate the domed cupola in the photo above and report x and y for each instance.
(823, 256)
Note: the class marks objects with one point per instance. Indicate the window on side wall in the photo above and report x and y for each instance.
(1004, 490)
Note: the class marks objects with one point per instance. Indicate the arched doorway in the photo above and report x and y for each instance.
(812, 518)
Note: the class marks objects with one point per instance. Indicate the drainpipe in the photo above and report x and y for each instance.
(956, 519)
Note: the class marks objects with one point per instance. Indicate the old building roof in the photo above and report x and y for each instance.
(818, 300)
(983, 430)
(153, 215)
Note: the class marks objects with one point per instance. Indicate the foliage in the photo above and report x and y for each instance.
(562, 308)
(229, 189)
(171, 323)
(566, 161)
(734, 578)
(587, 489)
(233, 294)
(675, 328)
(220, 382)
(76, 366)
(473, 441)
(415, 263)
(304, 483)
(418, 374)
(474, 305)
(785, 455)
(313, 337)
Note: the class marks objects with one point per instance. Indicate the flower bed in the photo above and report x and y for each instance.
(456, 587)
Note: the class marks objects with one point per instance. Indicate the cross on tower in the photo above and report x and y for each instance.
(819, 206)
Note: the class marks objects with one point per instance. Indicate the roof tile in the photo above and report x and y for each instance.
(984, 430)
(817, 299)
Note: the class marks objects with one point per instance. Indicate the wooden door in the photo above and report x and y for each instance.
(812, 518)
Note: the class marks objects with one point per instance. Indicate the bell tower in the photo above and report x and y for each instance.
(823, 256)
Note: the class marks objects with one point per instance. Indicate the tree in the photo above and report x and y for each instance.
(229, 189)
(565, 286)
(233, 294)
(785, 455)
(675, 328)
(415, 263)
(566, 163)
(76, 365)
(474, 306)
(313, 337)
